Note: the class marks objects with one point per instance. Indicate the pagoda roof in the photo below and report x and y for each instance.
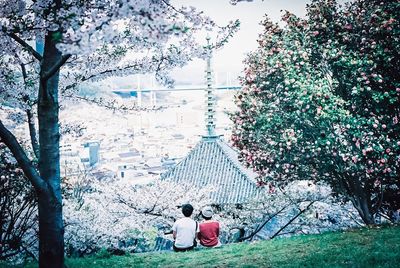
(213, 162)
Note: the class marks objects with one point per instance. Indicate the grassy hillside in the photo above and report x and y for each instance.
(373, 247)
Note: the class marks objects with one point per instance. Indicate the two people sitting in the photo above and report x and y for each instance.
(186, 230)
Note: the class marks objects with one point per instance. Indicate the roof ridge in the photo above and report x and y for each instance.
(165, 174)
(250, 175)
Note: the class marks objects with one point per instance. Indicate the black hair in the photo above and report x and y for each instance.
(187, 210)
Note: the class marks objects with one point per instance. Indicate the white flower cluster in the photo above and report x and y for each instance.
(105, 38)
(120, 215)
(303, 206)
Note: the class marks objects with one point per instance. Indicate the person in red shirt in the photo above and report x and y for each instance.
(209, 229)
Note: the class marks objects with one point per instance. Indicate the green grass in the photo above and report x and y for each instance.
(367, 247)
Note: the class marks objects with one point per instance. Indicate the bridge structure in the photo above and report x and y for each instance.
(137, 92)
(183, 88)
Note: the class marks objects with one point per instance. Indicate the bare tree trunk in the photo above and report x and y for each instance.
(355, 191)
(360, 201)
(47, 181)
(361, 205)
(51, 229)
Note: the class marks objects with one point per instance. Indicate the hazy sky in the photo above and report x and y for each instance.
(229, 59)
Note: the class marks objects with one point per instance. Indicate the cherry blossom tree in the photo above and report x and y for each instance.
(82, 41)
(320, 101)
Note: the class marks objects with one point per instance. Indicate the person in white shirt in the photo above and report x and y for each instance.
(185, 230)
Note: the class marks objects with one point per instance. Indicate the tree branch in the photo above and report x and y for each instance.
(31, 120)
(84, 79)
(32, 133)
(292, 219)
(56, 67)
(379, 202)
(172, 7)
(261, 226)
(11, 142)
(24, 74)
(26, 46)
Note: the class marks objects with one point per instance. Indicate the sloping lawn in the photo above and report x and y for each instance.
(372, 247)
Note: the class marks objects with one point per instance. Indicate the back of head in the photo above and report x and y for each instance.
(207, 212)
(187, 210)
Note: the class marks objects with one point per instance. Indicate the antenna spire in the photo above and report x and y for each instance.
(210, 109)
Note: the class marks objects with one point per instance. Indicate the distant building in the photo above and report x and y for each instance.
(167, 162)
(130, 156)
(68, 150)
(103, 174)
(70, 160)
(178, 136)
(93, 147)
(186, 118)
(130, 171)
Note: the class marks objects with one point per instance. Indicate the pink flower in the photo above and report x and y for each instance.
(383, 126)
(358, 143)
(348, 27)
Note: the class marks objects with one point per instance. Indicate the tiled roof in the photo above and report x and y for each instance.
(213, 162)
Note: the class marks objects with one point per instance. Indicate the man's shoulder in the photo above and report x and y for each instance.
(178, 221)
(209, 223)
(184, 220)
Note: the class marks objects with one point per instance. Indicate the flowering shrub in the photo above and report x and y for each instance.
(320, 101)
